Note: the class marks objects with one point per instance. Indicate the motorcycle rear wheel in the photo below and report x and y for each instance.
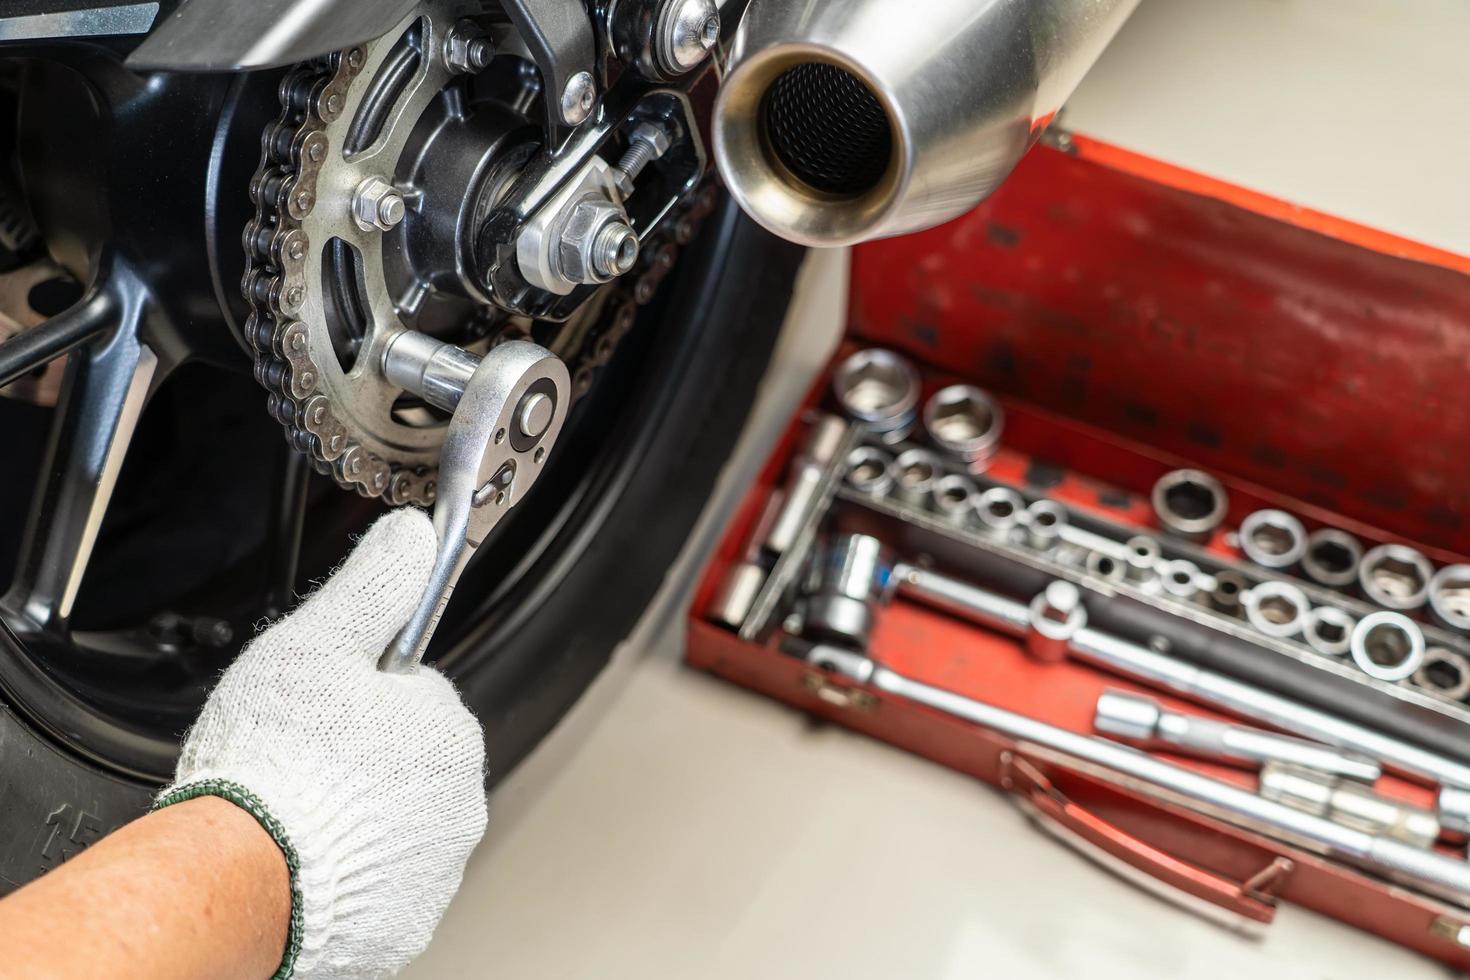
(527, 633)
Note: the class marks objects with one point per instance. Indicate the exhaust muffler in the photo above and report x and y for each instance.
(845, 120)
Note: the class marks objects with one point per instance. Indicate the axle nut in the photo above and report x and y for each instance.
(595, 243)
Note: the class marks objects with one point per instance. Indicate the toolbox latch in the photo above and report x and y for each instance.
(838, 695)
(1247, 905)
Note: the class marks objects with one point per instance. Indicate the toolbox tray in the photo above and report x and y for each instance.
(1133, 318)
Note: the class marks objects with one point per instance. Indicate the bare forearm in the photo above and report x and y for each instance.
(197, 889)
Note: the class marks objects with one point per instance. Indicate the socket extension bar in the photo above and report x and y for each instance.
(1131, 660)
(1137, 772)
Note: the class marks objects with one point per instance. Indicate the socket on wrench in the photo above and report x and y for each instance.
(506, 418)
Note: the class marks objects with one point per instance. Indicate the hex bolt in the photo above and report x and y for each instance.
(466, 51)
(376, 204)
(686, 31)
(646, 143)
(578, 98)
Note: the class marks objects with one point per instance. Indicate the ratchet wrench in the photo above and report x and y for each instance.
(507, 413)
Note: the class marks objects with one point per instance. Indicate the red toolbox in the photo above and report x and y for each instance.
(1134, 319)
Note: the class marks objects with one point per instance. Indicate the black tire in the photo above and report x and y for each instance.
(532, 651)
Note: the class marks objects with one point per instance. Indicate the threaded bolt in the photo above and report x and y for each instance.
(615, 249)
(646, 143)
(638, 155)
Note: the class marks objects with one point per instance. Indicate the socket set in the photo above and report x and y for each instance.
(1387, 611)
(1142, 501)
(888, 486)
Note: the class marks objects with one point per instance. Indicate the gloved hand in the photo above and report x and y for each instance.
(371, 783)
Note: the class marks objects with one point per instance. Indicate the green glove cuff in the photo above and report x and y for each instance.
(247, 801)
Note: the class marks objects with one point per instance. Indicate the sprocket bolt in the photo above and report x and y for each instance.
(377, 204)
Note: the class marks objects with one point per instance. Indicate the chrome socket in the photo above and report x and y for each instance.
(879, 390)
(1146, 723)
(1107, 567)
(1452, 806)
(1053, 618)
(823, 438)
(801, 491)
(1349, 803)
(954, 499)
(1227, 595)
(1273, 539)
(1332, 557)
(1395, 576)
(1388, 646)
(1445, 673)
(840, 606)
(869, 471)
(1144, 555)
(1449, 597)
(998, 511)
(1189, 504)
(1044, 522)
(1277, 609)
(914, 472)
(1179, 578)
(737, 594)
(965, 422)
(819, 447)
(1329, 631)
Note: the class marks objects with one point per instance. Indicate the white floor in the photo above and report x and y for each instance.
(678, 827)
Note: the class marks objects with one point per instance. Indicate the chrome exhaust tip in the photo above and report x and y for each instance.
(838, 123)
(808, 146)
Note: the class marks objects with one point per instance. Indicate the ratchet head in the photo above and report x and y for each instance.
(502, 430)
(499, 437)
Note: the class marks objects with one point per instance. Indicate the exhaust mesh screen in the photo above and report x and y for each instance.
(828, 128)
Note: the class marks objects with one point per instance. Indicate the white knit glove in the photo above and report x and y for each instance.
(372, 783)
